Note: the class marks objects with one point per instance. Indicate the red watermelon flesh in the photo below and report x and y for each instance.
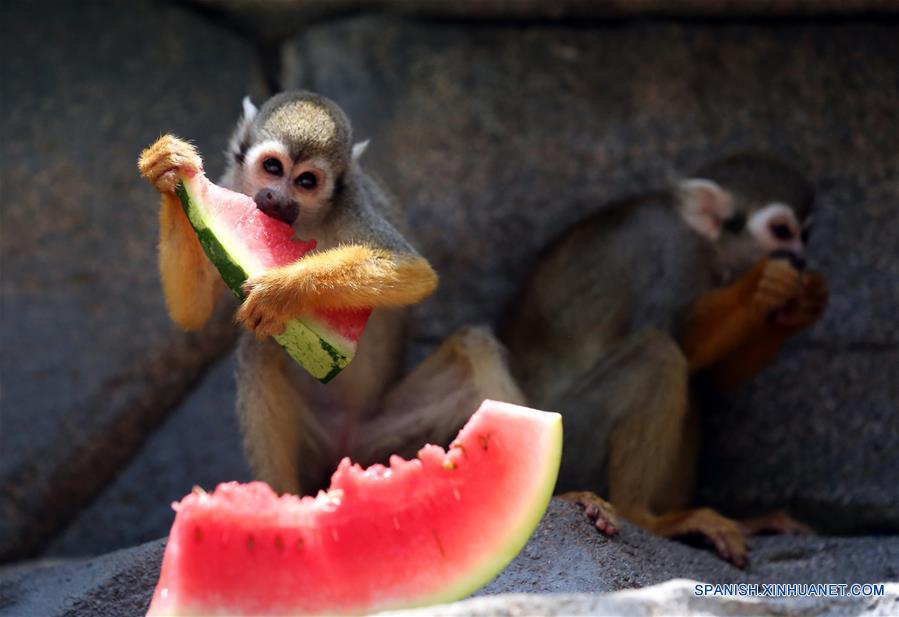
(243, 242)
(429, 530)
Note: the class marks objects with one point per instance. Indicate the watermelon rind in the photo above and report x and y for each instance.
(305, 343)
(518, 536)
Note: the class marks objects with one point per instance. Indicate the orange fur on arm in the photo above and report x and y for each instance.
(720, 322)
(351, 276)
(748, 361)
(189, 283)
(769, 337)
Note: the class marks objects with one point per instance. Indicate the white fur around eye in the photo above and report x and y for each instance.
(266, 149)
(322, 171)
(759, 226)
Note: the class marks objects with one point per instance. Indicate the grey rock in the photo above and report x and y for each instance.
(271, 21)
(115, 585)
(817, 433)
(499, 136)
(197, 445)
(90, 362)
(566, 558)
(673, 598)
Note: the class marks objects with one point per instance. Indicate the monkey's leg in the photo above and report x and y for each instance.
(436, 399)
(346, 277)
(653, 448)
(285, 445)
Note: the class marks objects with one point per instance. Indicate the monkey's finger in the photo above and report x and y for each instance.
(269, 327)
(165, 165)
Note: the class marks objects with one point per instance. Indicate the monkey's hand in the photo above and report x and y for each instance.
(346, 277)
(779, 283)
(808, 307)
(162, 162)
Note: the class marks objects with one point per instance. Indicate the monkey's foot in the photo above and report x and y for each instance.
(161, 162)
(726, 535)
(600, 512)
(777, 522)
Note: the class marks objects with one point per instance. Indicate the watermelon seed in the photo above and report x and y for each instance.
(439, 543)
(483, 439)
(198, 535)
(298, 545)
(457, 495)
(279, 543)
(448, 464)
(396, 523)
(251, 543)
(459, 446)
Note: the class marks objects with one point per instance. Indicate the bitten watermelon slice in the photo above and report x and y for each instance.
(429, 530)
(243, 242)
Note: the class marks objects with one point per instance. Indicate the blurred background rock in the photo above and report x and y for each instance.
(499, 122)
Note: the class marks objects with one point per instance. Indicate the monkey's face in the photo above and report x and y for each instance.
(294, 191)
(755, 231)
(750, 205)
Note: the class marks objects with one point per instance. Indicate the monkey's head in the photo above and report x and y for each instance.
(291, 155)
(751, 206)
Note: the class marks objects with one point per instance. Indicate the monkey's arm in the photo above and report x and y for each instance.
(190, 284)
(725, 319)
(351, 276)
(749, 359)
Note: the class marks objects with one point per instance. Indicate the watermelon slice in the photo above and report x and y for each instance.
(243, 242)
(433, 529)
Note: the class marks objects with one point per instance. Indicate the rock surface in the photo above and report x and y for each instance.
(498, 136)
(90, 362)
(565, 556)
(197, 445)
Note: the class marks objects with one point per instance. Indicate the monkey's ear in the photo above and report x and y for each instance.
(249, 110)
(359, 149)
(705, 206)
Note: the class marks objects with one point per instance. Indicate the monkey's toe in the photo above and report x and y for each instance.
(600, 512)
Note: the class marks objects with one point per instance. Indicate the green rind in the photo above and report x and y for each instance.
(305, 345)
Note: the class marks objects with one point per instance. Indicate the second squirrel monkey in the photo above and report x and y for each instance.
(703, 278)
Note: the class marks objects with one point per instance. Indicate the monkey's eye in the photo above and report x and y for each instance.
(735, 224)
(782, 232)
(273, 166)
(307, 180)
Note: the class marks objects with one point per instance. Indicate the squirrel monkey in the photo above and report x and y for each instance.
(704, 278)
(296, 158)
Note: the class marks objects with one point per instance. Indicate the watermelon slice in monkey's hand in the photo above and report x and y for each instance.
(419, 532)
(242, 242)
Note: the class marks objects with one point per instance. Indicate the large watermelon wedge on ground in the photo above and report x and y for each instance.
(242, 242)
(430, 530)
